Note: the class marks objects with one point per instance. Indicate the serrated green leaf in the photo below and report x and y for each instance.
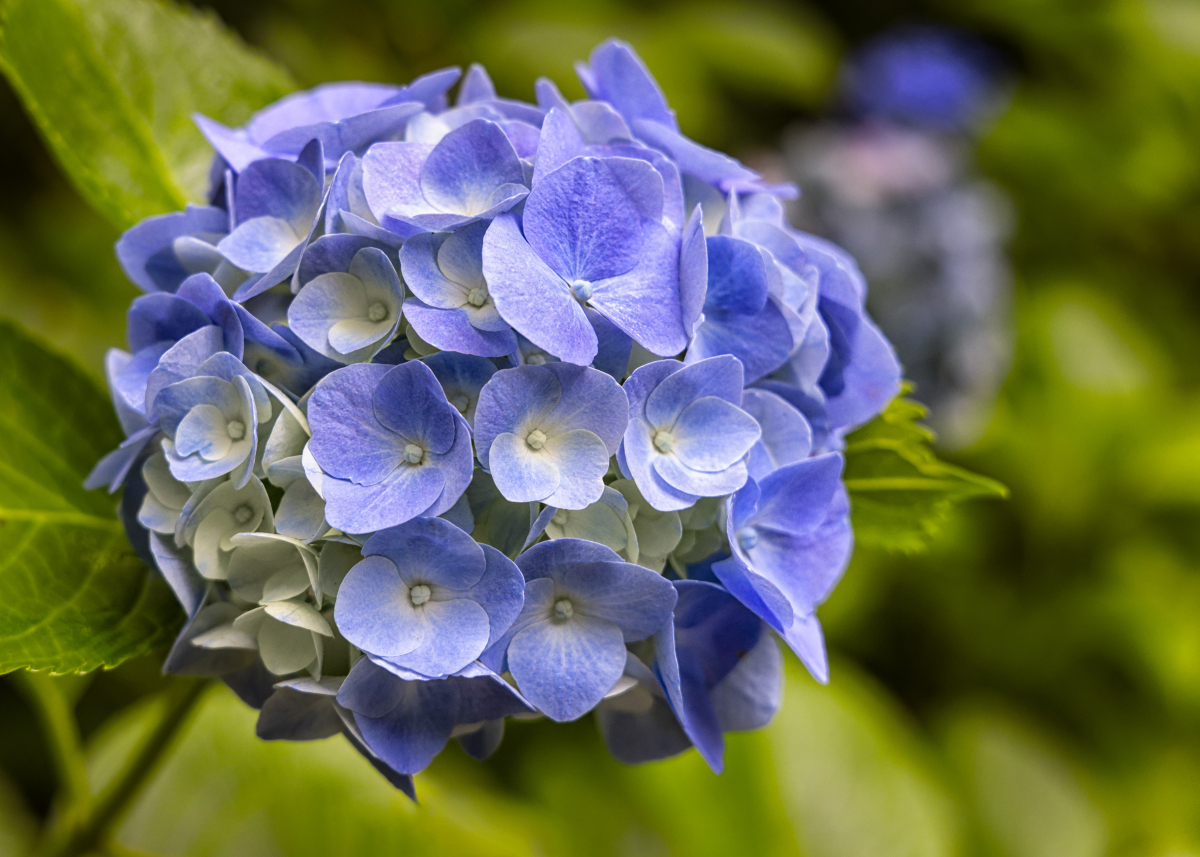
(900, 492)
(112, 85)
(75, 595)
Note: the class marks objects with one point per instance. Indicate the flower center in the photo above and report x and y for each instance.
(581, 289)
(377, 311)
(563, 610)
(413, 454)
(477, 296)
(419, 594)
(663, 441)
(747, 538)
(535, 359)
(242, 514)
(460, 403)
(236, 429)
(535, 439)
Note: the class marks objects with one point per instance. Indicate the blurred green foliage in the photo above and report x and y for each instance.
(1029, 686)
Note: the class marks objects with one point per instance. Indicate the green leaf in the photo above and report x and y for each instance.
(112, 85)
(75, 595)
(900, 492)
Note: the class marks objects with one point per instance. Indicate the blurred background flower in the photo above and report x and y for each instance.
(1030, 685)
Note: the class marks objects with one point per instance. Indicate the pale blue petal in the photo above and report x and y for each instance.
(532, 297)
(711, 434)
(566, 668)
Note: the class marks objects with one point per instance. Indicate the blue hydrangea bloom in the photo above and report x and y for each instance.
(390, 445)
(582, 604)
(625, 263)
(428, 598)
(687, 435)
(211, 421)
(395, 399)
(546, 433)
(462, 377)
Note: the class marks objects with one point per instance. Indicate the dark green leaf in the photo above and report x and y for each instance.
(112, 85)
(75, 595)
(900, 492)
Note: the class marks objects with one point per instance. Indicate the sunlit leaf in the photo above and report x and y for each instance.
(112, 85)
(76, 596)
(900, 492)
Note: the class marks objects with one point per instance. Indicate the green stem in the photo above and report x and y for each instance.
(57, 718)
(93, 828)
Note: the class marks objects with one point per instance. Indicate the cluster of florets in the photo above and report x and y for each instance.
(438, 415)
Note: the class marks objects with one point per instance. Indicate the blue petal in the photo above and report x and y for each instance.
(644, 301)
(719, 376)
(553, 558)
(582, 220)
(616, 74)
(465, 170)
(532, 297)
(737, 276)
(451, 330)
(762, 342)
(146, 251)
(693, 271)
(634, 599)
(711, 434)
(786, 434)
(431, 550)
(374, 612)
(409, 401)
(808, 642)
(566, 668)
(348, 440)
(501, 592)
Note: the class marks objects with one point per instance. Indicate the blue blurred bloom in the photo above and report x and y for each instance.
(390, 445)
(582, 604)
(687, 435)
(547, 432)
(406, 719)
(790, 536)
(428, 598)
(926, 76)
(591, 234)
(473, 173)
(350, 316)
(451, 308)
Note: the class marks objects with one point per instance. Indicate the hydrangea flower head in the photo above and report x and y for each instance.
(448, 409)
